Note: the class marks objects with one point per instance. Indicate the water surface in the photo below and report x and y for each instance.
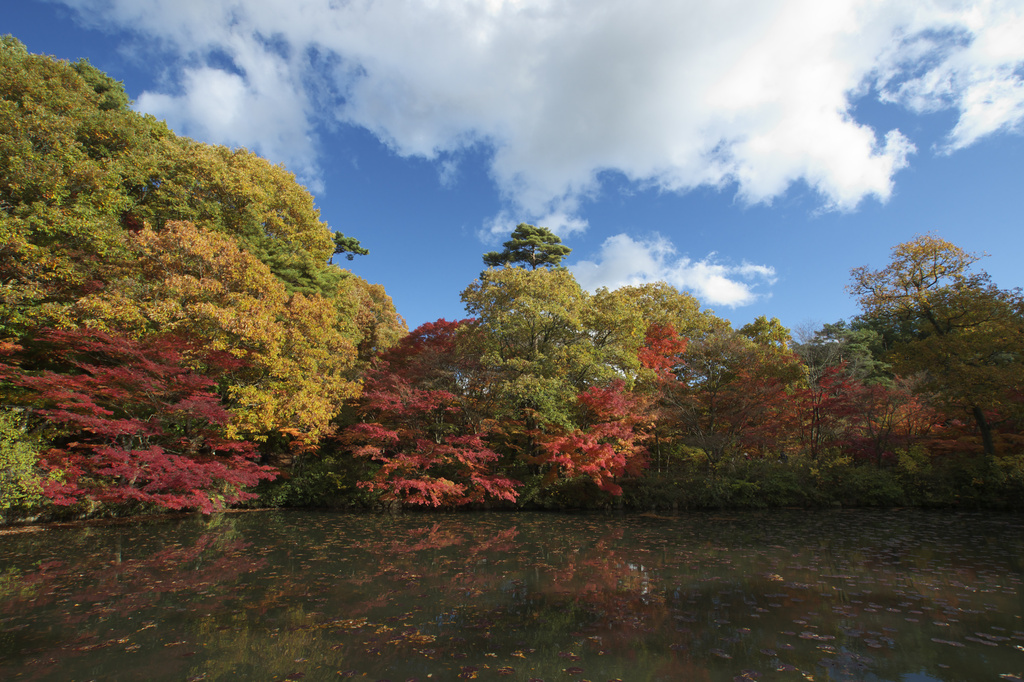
(843, 595)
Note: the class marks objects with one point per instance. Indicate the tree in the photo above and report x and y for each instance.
(769, 334)
(237, 193)
(80, 170)
(379, 324)
(607, 442)
(349, 246)
(549, 339)
(659, 303)
(418, 420)
(825, 408)
(110, 221)
(729, 394)
(62, 152)
(133, 422)
(529, 245)
(950, 323)
(772, 350)
(891, 417)
(853, 347)
(659, 358)
(20, 483)
(300, 351)
(111, 92)
(545, 343)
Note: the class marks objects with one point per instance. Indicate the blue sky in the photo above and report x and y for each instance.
(750, 152)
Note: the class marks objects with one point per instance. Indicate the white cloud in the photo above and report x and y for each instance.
(448, 172)
(497, 228)
(624, 261)
(962, 56)
(672, 94)
(561, 221)
(260, 107)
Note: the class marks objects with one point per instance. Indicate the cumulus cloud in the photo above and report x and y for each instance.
(624, 261)
(751, 94)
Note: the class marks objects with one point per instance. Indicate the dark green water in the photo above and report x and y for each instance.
(848, 595)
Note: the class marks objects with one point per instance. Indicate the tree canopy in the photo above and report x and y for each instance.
(118, 237)
(947, 321)
(529, 245)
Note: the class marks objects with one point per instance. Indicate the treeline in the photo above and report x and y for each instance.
(552, 396)
(174, 336)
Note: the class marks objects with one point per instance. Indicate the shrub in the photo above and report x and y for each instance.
(20, 482)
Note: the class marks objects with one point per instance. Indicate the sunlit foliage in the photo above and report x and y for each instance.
(947, 321)
(132, 422)
(111, 224)
(419, 419)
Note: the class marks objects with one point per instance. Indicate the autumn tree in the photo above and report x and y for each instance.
(237, 193)
(944, 319)
(139, 421)
(300, 351)
(546, 342)
(549, 339)
(529, 245)
(772, 349)
(659, 357)
(730, 395)
(825, 410)
(378, 324)
(109, 220)
(418, 420)
(20, 480)
(607, 440)
(661, 304)
(81, 170)
(63, 140)
(892, 417)
(843, 406)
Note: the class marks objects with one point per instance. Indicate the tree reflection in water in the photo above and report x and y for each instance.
(302, 595)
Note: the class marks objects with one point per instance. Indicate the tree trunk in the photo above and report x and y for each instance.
(986, 430)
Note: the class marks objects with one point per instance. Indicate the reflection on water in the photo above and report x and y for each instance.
(849, 595)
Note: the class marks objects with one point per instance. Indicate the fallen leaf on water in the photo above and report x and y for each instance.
(946, 641)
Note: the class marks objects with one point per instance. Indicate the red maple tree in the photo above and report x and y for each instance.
(421, 423)
(608, 441)
(139, 420)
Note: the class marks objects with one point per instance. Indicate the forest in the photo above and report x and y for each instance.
(174, 335)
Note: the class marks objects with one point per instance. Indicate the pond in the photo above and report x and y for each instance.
(784, 595)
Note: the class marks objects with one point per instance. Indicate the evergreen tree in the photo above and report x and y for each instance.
(533, 246)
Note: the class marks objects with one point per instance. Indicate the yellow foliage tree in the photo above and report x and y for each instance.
(299, 352)
(949, 323)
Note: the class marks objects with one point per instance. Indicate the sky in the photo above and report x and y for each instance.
(750, 152)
